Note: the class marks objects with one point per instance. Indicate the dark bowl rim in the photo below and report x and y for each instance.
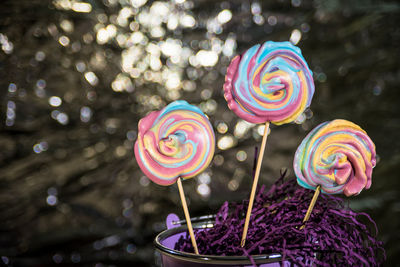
(210, 259)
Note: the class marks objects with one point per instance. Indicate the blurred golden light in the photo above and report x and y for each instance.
(157, 32)
(81, 7)
(187, 21)
(63, 40)
(241, 155)
(138, 3)
(224, 16)
(241, 128)
(218, 160)
(206, 94)
(207, 58)
(233, 185)
(91, 78)
(203, 190)
(222, 127)
(295, 37)
(120, 151)
(67, 25)
(122, 83)
(226, 142)
(171, 47)
(173, 22)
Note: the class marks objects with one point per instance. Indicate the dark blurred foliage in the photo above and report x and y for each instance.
(76, 76)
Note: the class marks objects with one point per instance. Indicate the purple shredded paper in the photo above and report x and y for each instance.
(334, 235)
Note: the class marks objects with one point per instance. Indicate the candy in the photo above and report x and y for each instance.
(269, 83)
(337, 155)
(177, 141)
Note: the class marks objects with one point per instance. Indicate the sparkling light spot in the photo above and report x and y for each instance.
(233, 185)
(62, 118)
(204, 178)
(80, 66)
(241, 128)
(86, 114)
(207, 58)
(206, 94)
(67, 25)
(187, 21)
(102, 36)
(55, 101)
(222, 127)
(81, 7)
(226, 142)
(241, 155)
(203, 190)
(122, 83)
(295, 37)
(40, 56)
(63, 40)
(218, 160)
(255, 8)
(144, 181)
(91, 78)
(224, 16)
(51, 200)
(138, 3)
(272, 20)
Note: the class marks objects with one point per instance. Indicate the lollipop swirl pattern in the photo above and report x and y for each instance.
(177, 141)
(270, 83)
(338, 155)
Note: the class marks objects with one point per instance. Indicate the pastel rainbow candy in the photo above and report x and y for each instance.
(269, 83)
(177, 141)
(337, 155)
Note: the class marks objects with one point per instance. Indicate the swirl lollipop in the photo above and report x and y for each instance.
(335, 157)
(176, 142)
(268, 83)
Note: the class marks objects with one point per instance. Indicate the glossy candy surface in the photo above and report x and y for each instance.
(338, 155)
(269, 83)
(177, 141)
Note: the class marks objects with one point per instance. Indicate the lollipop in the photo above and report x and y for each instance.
(268, 83)
(176, 142)
(335, 157)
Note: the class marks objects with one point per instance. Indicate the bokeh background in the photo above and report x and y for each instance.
(76, 76)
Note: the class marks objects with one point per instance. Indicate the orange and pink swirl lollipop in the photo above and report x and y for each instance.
(335, 157)
(177, 141)
(173, 143)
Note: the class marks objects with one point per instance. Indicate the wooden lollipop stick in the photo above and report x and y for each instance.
(255, 182)
(311, 207)
(187, 216)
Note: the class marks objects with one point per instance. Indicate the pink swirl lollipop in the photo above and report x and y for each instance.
(335, 157)
(338, 156)
(269, 83)
(177, 141)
